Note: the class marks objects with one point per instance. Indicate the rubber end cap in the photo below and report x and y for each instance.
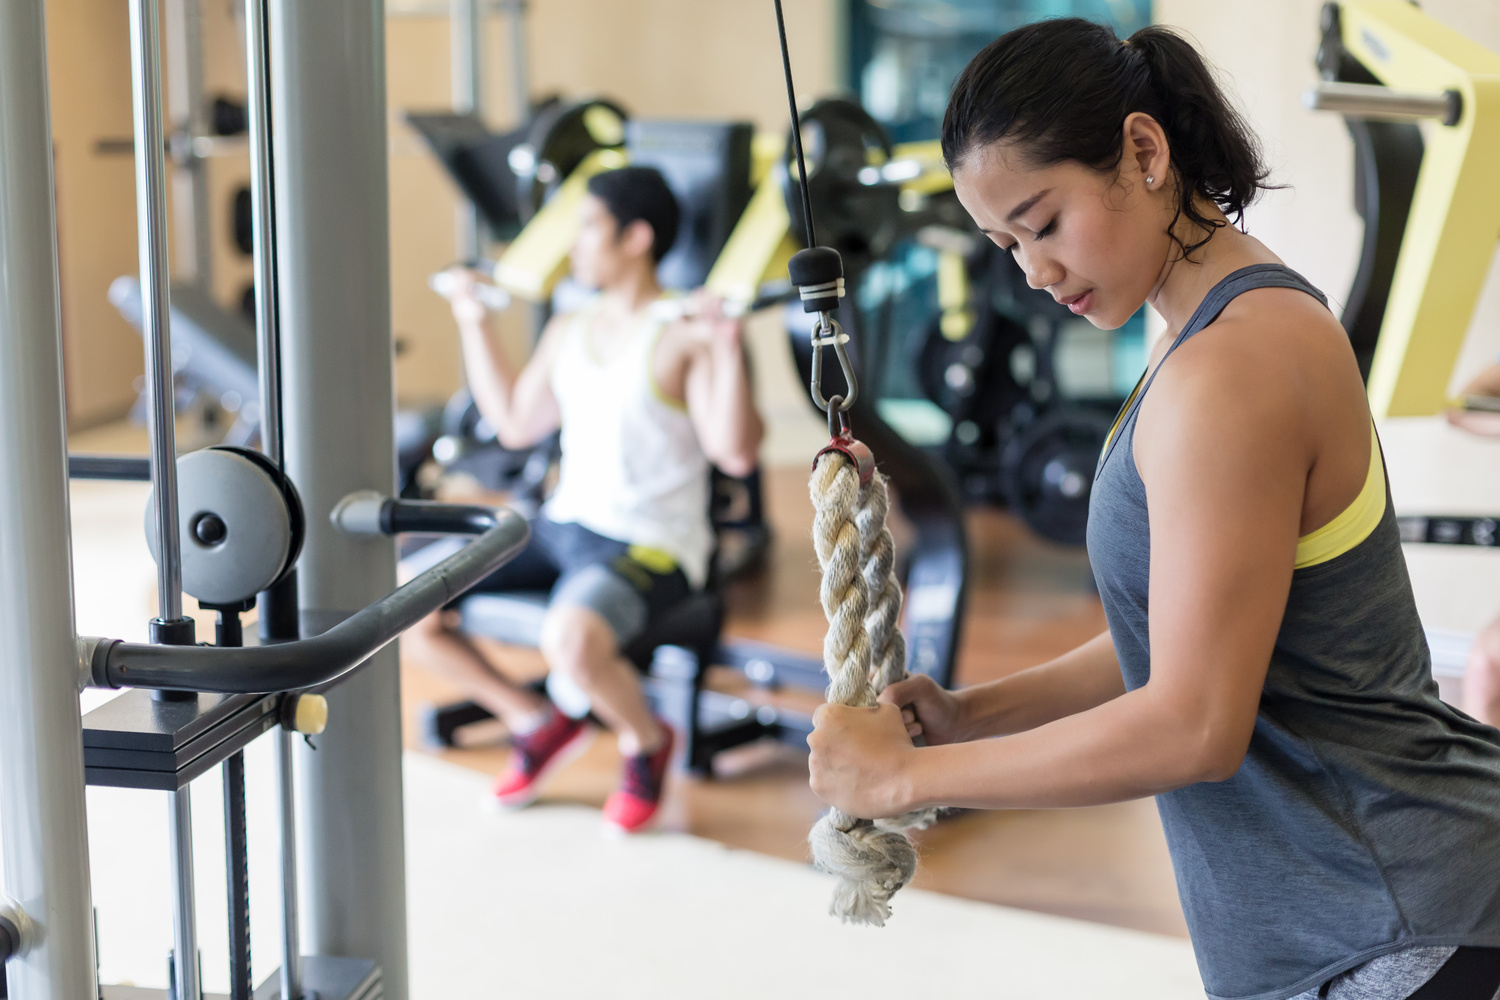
(815, 266)
(310, 715)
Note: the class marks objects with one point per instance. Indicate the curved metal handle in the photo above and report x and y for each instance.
(306, 663)
(1366, 100)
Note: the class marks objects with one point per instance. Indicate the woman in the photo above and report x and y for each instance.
(1334, 827)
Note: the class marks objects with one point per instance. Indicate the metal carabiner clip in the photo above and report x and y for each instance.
(827, 333)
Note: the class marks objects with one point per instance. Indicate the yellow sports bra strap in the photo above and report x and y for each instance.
(1355, 523)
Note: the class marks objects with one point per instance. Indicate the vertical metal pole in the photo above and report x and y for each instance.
(520, 73)
(268, 342)
(466, 43)
(333, 255)
(46, 857)
(262, 202)
(186, 107)
(151, 225)
(291, 925)
(184, 901)
(236, 860)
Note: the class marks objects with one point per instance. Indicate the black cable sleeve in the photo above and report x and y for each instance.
(791, 100)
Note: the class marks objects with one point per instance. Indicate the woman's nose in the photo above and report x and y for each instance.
(1040, 272)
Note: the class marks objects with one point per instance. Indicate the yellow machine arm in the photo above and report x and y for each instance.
(761, 243)
(1455, 214)
(537, 259)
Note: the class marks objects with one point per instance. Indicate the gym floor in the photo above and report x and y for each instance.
(1029, 601)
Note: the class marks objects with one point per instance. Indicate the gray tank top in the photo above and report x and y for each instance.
(1366, 816)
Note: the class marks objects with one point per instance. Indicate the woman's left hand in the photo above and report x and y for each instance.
(859, 760)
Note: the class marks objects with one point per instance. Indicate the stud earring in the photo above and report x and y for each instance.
(1150, 180)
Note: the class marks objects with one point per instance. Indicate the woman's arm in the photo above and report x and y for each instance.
(1079, 680)
(1223, 451)
(518, 405)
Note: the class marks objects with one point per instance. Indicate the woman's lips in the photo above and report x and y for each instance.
(1080, 304)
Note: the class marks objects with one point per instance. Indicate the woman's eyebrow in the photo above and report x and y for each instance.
(1026, 205)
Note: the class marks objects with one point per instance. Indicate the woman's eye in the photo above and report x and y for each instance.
(1047, 230)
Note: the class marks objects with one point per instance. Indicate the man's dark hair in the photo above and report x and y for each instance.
(1061, 90)
(640, 194)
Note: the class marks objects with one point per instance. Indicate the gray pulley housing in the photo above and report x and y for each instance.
(237, 527)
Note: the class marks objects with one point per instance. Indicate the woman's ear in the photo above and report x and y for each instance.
(1145, 150)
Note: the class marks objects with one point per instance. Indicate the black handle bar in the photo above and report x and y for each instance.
(314, 662)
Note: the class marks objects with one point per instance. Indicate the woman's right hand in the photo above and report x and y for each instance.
(929, 710)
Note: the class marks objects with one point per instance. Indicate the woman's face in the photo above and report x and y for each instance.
(1096, 241)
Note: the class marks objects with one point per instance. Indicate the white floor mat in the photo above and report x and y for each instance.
(539, 904)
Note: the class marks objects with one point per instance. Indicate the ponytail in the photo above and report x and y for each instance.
(1061, 90)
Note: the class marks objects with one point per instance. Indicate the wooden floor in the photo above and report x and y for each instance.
(1029, 601)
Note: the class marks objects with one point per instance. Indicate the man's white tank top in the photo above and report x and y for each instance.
(632, 468)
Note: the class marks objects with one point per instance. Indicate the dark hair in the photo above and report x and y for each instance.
(1061, 89)
(640, 194)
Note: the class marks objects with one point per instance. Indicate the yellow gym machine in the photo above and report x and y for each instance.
(1423, 105)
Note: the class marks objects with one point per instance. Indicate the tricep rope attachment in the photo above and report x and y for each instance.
(863, 652)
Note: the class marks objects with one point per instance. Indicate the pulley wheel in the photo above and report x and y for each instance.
(240, 524)
(970, 378)
(1047, 471)
(859, 219)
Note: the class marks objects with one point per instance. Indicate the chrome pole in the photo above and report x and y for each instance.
(466, 43)
(189, 122)
(268, 343)
(291, 930)
(151, 225)
(1368, 100)
(45, 854)
(520, 74)
(262, 213)
(185, 950)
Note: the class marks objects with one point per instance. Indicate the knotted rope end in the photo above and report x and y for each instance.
(871, 864)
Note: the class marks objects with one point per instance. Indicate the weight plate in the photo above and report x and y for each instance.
(1047, 471)
(235, 527)
(559, 138)
(972, 379)
(840, 139)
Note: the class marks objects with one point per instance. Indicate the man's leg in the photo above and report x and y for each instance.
(578, 642)
(445, 652)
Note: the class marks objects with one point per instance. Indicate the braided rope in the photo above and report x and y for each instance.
(863, 652)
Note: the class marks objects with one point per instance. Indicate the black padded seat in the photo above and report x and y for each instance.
(674, 653)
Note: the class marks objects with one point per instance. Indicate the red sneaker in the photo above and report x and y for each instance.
(537, 756)
(633, 805)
